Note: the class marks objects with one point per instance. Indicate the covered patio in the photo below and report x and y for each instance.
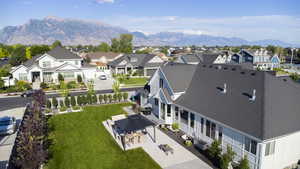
(133, 130)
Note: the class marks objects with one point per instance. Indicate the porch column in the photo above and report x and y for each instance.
(41, 76)
(123, 142)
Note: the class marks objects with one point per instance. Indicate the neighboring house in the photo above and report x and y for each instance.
(102, 58)
(202, 58)
(46, 67)
(254, 112)
(146, 63)
(259, 58)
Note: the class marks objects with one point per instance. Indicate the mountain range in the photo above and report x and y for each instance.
(74, 32)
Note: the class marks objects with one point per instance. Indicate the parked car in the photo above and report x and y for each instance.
(7, 125)
(28, 93)
(102, 77)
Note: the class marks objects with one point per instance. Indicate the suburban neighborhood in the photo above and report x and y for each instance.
(127, 89)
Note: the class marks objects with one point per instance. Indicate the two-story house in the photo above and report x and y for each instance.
(203, 57)
(254, 112)
(46, 67)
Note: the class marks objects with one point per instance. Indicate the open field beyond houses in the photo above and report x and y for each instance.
(79, 141)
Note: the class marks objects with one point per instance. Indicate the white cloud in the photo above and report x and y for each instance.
(104, 1)
(281, 27)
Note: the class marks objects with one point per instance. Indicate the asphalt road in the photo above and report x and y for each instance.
(17, 101)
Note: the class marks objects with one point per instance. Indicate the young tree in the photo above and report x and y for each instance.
(61, 103)
(227, 158)
(214, 151)
(1, 83)
(63, 90)
(61, 77)
(54, 102)
(79, 102)
(94, 98)
(119, 96)
(116, 87)
(18, 56)
(67, 101)
(28, 53)
(105, 98)
(79, 79)
(73, 101)
(48, 104)
(126, 43)
(89, 98)
(125, 96)
(39, 49)
(4, 53)
(115, 45)
(115, 97)
(110, 98)
(100, 98)
(243, 163)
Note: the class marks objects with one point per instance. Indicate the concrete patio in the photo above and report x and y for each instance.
(180, 159)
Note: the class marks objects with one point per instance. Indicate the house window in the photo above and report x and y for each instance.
(213, 130)
(184, 117)
(161, 83)
(68, 75)
(270, 148)
(46, 64)
(169, 110)
(163, 110)
(176, 112)
(250, 145)
(207, 128)
(23, 76)
(156, 101)
(202, 125)
(192, 120)
(220, 134)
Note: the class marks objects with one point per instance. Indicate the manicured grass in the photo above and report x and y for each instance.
(80, 141)
(135, 81)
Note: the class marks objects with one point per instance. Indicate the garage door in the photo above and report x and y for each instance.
(150, 72)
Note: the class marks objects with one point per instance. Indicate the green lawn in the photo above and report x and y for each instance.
(80, 141)
(135, 81)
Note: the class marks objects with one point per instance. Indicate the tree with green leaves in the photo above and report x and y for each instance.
(79, 79)
(126, 43)
(125, 96)
(63, 90)
(105, 98)
(3, 53)
(243, 163)
(48, 103)
(73, 101)
(54, 102)
(115, 97)
(67, 101)
(94, 98)
(28, 53)
(164, 50)
(103, 47)
(227, 158)
(61, 77)
(56, 43)
(295, 77)
(39, 49)
(119, 96)
(79, 102)
(18, 56)
(90, 86)
(214, 151)
(61, 103)
(109, 98)
(1, 83)
(5, 70)
(116, 87)
(115, 45)
(100, 98)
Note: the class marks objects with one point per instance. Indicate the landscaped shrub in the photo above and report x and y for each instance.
(44, 85)
(100, 98)
(226, 158)
(94, 99)
(214, 151)
(79, 79)
(243, 163)
(115, 97)
(89, 98)
(73, 101)
(175, 126)
(54, 102)
(75, 107)
(119, 96)
(61, 77)
(109, 98)
(67, 102)
(105, 98)
(125, 96)
(79, 102)
(188, 143)
(71, 85)
(61, 103)
(84, 100)
(48, 104)
(22, 86)
(64, 108)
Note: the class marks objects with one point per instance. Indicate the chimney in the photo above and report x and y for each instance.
(224, 88)
(253, 95)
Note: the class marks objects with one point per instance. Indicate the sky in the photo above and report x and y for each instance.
(247, 19)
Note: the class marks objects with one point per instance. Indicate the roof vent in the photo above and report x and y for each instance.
(224, 88)
(253, 97)
(204, 66)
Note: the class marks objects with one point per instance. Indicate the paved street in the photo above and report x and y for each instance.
(103, 84)
(6, 142)
(17, 101)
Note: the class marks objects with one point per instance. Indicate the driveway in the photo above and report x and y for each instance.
(103, 84)
(7, 142)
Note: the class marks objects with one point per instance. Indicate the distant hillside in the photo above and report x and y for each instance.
(73, 32)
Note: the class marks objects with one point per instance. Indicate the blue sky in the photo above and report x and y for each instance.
(251, 19)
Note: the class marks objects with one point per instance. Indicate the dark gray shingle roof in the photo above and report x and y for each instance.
(141, 60)
(179, 75)
(62, 53)
(274, 112)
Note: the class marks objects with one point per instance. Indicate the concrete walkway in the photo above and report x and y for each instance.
(180, 159)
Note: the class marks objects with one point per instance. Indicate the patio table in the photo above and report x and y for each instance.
(166, 148)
